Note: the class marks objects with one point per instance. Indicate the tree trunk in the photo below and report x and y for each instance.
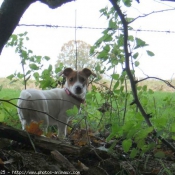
(10, 13)
(12, 10)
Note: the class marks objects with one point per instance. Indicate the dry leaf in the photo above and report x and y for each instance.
(34, 128)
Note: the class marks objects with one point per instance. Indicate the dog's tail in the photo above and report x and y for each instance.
(24, 96)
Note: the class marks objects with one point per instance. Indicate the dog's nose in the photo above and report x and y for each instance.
(78, 90)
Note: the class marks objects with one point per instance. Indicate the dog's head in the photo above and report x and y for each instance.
(76, 81)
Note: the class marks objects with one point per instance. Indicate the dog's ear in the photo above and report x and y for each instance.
(88, 72)
(65, 72)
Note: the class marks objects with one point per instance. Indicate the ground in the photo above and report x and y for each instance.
(15, 156)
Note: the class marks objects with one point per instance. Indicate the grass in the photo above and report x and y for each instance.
(9, 93)
(160, 103)
(8, 112)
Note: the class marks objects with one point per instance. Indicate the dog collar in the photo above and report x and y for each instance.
(69, 93)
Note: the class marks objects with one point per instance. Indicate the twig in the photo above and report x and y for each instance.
(87, 135)
(32, 143)
(153, 12)
(126, 100)
(8, 101)
(169, 0)
(165, 81)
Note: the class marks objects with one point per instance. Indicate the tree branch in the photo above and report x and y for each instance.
(9, 101)
(129, 73)
(169, 0)
(54, 3)
(165, 81)
(159, 11)
(10, 14)
(41, 142)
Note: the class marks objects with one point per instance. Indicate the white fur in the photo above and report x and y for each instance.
(72, 89)
(55, 102)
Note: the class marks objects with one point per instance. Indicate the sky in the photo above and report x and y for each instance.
(48, 41)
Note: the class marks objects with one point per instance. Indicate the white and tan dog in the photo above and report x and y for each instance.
(55, 102)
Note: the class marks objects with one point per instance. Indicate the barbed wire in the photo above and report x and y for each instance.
(93, 28)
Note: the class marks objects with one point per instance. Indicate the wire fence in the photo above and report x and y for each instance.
(94, 28)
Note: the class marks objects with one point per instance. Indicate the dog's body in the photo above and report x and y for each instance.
(54, 102)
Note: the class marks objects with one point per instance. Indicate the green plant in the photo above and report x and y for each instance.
(32, 65)
(131, 114)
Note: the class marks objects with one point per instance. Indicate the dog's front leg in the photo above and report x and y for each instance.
(62, 127)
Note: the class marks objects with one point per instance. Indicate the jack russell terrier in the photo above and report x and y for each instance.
(54, 102)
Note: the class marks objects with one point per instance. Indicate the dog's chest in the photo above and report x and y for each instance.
(58, 102)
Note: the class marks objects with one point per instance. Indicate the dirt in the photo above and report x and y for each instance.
(17, 158)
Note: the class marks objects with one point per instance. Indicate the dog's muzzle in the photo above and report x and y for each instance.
(78, 90)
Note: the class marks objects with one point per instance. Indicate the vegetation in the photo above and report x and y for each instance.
(123, 112)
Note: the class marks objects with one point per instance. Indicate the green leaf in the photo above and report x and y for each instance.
(19, 75)
(46, 58)
(140, 43)
(127, 3)
(103, 55)
(140, 143)
(136, 63)
(133, 153)
(151, 54)
(159, 154)
(106, 48)
(130, 38)
(135, 55)
(28, 72)
(38, 59)
(112, 24)
(36, 75)
(11, 76)
(92, 49)
(143, 133)
(116, 85)
(126, 144)
(72, 112)
(115, 76)
(144, 88)
(107, 38)
(33, 66)
(98, 97)
(24, 54)
(50, 68)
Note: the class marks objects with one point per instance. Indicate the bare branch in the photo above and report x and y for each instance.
(165, 81)
(9, 101)
(169, 0)
(153, 12)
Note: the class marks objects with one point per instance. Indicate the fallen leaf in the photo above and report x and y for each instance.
(34, 128)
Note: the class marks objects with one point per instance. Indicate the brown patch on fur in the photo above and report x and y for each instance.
(72, 76)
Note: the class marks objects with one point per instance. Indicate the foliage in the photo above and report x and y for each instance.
(123, 116)
(77, 58)
(32, 65)
(109, 109)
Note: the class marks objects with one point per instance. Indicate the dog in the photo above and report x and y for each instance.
(54, 102)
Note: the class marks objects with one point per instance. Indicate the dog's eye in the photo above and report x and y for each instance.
(71, 79)
(82, 79)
